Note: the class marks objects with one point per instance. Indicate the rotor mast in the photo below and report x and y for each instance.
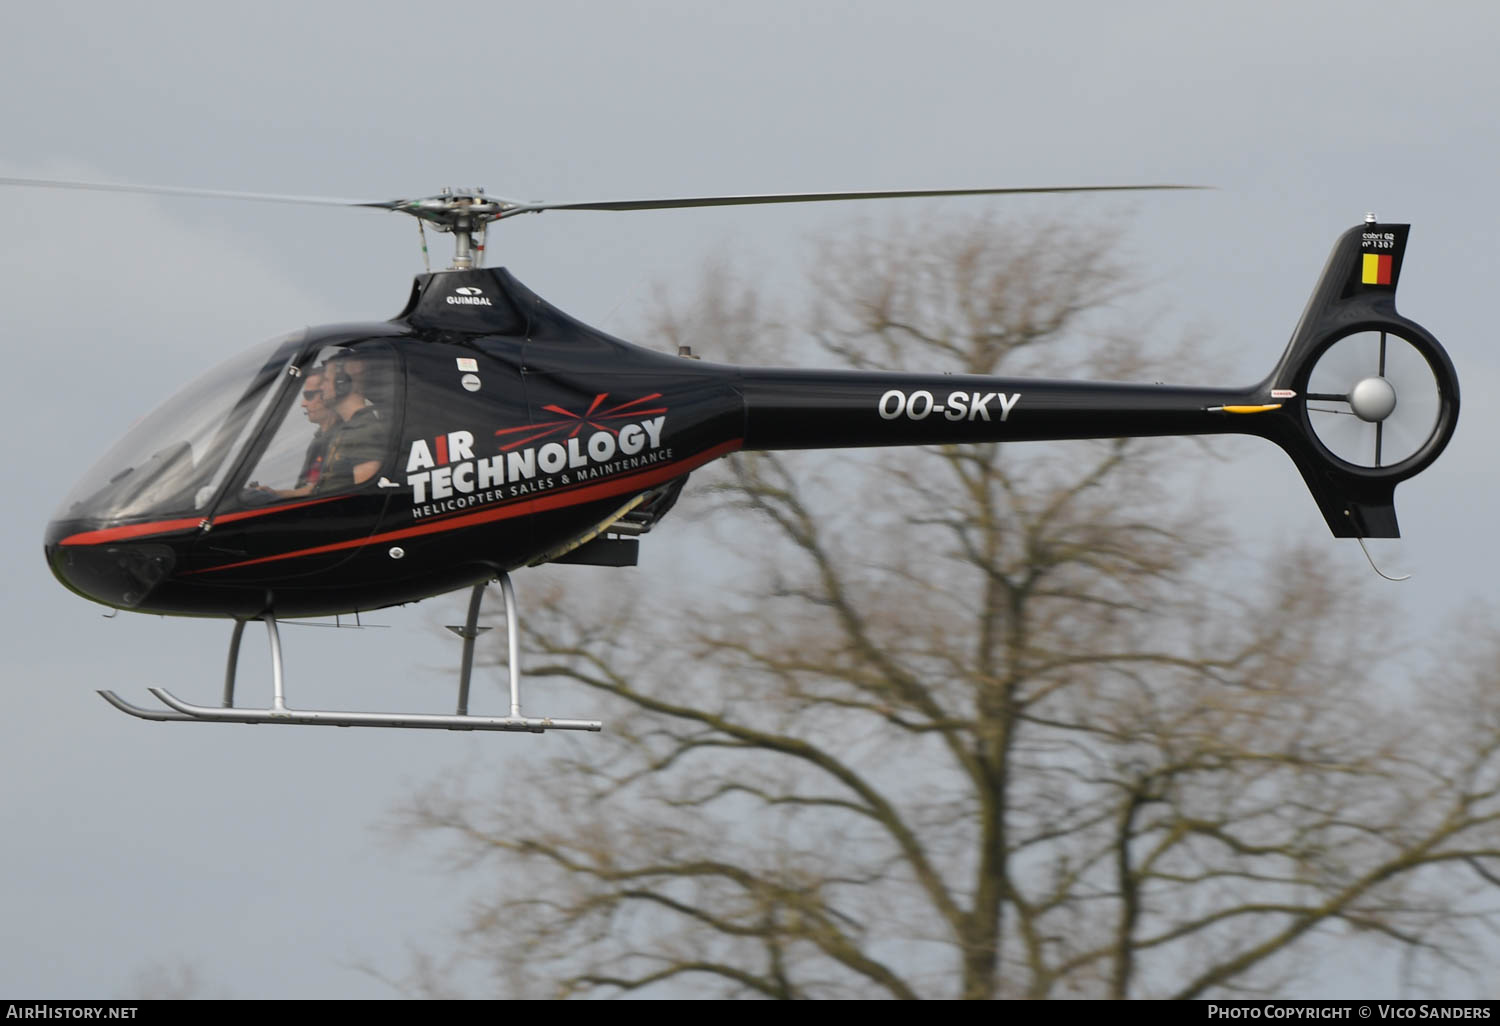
(463, 213)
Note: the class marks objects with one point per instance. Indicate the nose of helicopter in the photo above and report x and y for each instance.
(120, 574)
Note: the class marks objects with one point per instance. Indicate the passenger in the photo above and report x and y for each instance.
(371, 379)
(356, 445)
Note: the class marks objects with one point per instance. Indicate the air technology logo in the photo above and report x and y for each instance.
(446, 474)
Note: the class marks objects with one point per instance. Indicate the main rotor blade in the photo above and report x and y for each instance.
(495, 208)
(819, 197)
(172, 190)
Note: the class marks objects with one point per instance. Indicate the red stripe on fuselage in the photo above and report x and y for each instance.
(560, 499)
(110, 534)
(105, 535)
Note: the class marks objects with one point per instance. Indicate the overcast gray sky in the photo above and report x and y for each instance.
(252, 855)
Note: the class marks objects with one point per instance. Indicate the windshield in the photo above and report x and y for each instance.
(173, 460)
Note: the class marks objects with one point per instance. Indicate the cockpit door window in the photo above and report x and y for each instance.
(336, 436)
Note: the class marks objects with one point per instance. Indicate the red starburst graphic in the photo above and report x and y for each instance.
(572, 423)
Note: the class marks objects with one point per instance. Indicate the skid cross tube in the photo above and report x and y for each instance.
(179, 711)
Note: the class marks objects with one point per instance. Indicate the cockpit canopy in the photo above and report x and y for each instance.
(253, 430)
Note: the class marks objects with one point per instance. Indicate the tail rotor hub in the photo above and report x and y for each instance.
(1372, 399)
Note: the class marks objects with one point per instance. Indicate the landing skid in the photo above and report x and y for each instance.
(180, 711)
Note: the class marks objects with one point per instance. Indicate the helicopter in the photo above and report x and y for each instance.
(351, 467)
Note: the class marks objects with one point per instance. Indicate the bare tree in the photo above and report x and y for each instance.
(180, 981)
(977, 721)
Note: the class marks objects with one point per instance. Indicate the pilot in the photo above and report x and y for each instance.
(356, 442)
(323, 419)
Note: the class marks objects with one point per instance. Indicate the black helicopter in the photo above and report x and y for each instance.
(352, 467)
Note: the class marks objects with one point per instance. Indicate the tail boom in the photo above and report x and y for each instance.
(1354, 298)
(791, 409)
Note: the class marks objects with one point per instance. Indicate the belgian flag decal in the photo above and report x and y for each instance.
(1376, 269)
